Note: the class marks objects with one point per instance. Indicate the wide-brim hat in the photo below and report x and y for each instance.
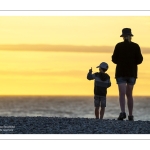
(103, 65)
(126, 31)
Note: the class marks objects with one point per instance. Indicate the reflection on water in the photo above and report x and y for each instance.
(67, 106)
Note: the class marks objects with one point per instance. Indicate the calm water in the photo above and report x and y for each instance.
(67, 106)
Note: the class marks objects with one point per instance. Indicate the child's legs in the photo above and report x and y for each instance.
(103, 105)
(102, 111)
(97, 105)
(97, 112)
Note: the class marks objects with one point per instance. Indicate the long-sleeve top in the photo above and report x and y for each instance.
(127, 55)
(102, 82)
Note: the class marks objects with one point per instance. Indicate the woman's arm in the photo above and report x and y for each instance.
(139, 57)
(115, 55)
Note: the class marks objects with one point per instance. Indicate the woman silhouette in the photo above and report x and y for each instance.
(127, 55)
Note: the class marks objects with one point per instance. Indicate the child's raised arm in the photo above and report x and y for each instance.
(90, 70)
(90, 76)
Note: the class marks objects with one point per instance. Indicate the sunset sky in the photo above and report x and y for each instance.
(51, 55)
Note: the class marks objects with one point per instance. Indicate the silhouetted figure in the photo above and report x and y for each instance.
(102, 82)
(127, 55)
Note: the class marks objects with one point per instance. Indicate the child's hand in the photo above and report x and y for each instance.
(90, 70)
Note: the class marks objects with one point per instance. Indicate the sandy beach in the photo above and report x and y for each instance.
(60, 125)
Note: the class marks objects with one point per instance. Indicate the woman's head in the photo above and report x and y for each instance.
(127, 37)
(126, 34)
(126, 31)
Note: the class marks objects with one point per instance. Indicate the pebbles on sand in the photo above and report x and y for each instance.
(56, 125)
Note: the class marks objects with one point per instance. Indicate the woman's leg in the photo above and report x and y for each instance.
(122, 92)
(129, 90)
(97, 112)
(102, 111)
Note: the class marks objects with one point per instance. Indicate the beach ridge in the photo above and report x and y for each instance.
(64, 125)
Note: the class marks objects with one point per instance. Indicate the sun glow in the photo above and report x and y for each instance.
(52, 55)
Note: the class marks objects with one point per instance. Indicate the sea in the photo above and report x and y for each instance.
(68, 106)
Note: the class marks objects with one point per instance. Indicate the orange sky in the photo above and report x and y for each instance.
(55, 53)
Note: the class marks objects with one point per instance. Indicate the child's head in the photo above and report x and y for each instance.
(103, 67)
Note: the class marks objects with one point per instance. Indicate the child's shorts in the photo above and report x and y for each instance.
(99, 101)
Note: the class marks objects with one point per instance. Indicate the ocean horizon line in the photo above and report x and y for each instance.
(23, 95)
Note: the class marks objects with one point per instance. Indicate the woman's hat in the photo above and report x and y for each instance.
(126, 31)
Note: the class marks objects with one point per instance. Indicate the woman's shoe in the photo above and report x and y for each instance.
(130, 118)
(122, 116)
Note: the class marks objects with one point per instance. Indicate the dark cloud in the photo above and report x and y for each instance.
(44, 73)
(57, 48)
(64, 48)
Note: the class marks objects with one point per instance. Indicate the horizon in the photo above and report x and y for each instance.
(134, 96)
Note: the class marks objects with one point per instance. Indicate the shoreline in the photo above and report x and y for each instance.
(58, 125)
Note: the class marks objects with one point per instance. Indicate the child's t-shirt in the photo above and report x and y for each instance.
(102, 82)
